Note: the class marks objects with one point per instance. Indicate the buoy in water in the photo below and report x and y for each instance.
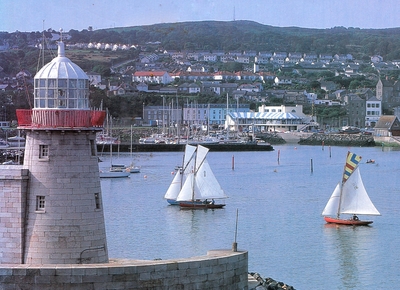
(145, 176)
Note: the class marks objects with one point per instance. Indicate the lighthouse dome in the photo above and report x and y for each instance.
(61, 84)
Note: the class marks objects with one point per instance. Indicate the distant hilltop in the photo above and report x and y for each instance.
(244, 35)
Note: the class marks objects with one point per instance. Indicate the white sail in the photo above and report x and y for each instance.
(355, 199)
(181, 175)
(200, 156)
(188, 157)
(175, 186)
(186, 193)
(207, 185)
(331, 208)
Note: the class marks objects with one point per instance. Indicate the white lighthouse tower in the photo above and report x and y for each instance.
(64, 220)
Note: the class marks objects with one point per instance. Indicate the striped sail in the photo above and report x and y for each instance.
(352, 161)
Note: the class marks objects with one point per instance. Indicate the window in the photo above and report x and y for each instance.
(93, 147)
(97, 200)
(40, 203)
(43, 151)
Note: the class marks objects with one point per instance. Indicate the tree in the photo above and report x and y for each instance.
(354, 84)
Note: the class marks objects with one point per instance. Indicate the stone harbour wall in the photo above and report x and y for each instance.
(219, 269)
(13, 190)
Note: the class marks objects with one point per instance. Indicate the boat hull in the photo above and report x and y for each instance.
(172, 202)
(198, 205)
(349, 222)
(134, 170)
(110, 174)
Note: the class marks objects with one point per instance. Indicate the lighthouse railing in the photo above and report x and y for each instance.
(60, 118)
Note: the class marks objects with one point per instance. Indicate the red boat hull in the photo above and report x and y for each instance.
(197, 205)
(349, 222)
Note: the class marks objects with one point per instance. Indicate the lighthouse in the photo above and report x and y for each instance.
(63, 213)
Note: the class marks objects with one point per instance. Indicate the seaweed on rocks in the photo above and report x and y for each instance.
(269, 283)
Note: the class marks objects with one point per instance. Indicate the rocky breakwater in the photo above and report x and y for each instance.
(267, 283)
(339, 140)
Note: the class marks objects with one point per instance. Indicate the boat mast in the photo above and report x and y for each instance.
(226, 116)
(131, 141)
(341, 187)
(194, 175)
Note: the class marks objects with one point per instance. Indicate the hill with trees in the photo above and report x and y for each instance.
(205, 36)
(249, 35)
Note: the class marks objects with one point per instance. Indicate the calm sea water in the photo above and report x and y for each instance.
(279, 204)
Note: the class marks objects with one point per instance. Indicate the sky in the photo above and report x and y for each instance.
(34, 15)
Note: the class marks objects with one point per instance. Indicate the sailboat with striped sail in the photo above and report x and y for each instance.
(350, 197)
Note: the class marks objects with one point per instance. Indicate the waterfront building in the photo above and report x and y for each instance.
(210, 114)
(269, 119)
(387, 126)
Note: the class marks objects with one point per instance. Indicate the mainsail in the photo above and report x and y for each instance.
(355, 199)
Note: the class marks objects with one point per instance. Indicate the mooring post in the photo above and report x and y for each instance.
(234, 244)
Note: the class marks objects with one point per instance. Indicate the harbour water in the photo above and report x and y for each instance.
(279, 197)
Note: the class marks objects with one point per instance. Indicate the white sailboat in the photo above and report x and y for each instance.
(180, 175)
(201, 186)
(350, 197)
(115, 170)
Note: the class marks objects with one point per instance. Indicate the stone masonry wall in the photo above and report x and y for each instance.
(13, 187)
(220, 269)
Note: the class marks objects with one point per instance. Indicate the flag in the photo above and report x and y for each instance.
(352, 161)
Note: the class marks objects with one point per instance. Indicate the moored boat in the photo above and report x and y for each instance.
(112, 173)
(349, 130)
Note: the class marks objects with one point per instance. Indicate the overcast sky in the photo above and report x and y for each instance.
(33, 15)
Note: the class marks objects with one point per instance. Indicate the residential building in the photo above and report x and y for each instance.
(374, 111)
(159, 77)
(210, 114)
(356, 110)
(387, 126)
(94, 78)
(218, 88)
(168, 115)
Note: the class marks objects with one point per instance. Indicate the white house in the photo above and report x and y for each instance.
(373, 111)
(158, 77)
